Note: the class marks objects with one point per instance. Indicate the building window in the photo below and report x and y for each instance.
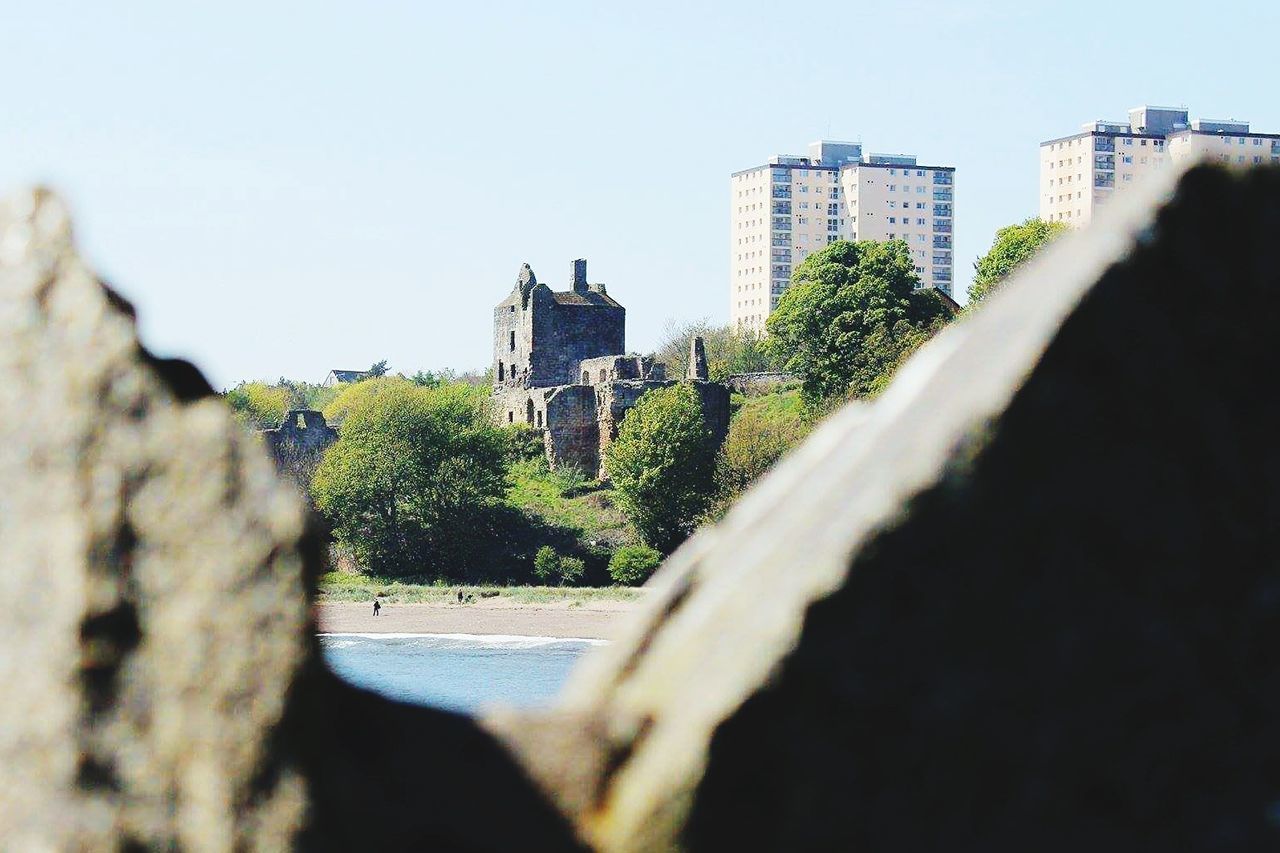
(539, 420)
(501, 374)
(603, 375)
(511, 417)
(513, 342)
(586, 375)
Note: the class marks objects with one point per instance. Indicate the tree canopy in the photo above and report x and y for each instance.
(661, 465)
(410, 475)
(258, 405)
(1014, 246)
(851, 315)
(729, 350)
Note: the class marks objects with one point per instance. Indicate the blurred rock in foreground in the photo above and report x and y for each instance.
(161, 682)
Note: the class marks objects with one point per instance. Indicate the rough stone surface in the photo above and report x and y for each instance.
(697, 360)
(1029, 601)
(162, 685)
(766, 382)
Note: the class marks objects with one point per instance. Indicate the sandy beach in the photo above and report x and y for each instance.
(592, 620)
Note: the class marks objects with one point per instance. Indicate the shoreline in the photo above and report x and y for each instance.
(490, 617)
(490, 638)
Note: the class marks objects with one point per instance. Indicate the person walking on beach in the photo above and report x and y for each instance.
(377, 605)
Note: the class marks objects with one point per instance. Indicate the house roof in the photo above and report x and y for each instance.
(348, 375)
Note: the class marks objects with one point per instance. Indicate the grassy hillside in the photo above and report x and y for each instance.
(781, 405)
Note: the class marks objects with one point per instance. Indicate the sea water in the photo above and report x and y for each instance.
(459, 672)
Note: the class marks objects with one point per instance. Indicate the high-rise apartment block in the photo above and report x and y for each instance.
(793, 206)
(1081, 171)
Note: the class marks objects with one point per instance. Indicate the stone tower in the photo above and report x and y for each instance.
(697, 360)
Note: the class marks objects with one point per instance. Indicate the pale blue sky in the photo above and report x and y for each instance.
(285, 189)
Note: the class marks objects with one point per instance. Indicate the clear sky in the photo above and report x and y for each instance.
(288, 188)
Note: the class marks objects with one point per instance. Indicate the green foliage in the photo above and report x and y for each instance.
(661, 465)
(358, 586)
(258, 405)
(571, 479)
(549, 565)
(571, 570)
(585, 521)
(377, 369)
(523, 442)
(411, 474)
(851, 315)
(631, 565)
(304, 395)
(352, 395)
(427, 379)
(763, 429)
(729, 350)
(546, 563)
(1014, 246)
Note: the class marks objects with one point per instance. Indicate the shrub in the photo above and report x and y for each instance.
(524, 443)
(546, 563)
(570, 480)
(571, 570)
(661, 465)
(631, 565)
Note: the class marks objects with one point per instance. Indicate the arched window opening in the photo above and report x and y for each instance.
(539, 420)
(603, 375)
(586, 378)
(528, 412)
(501, 374)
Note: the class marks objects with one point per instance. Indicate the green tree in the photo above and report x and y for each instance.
(850, 316)
(661, 465)
(377, 369)
(729, 350)
(1014, 246)
(546, 563)
(631, 565)
(411, 475)
(258, 405)
(572, 569)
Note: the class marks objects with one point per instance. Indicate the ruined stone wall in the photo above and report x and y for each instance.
(759, 383)
(510, 364)
(521, 406)
(615, 367)
(715, 409)
(572, 437)
(299, 443)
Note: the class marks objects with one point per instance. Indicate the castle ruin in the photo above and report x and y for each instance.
(560, 366)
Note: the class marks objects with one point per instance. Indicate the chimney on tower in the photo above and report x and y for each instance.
(580, 275)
